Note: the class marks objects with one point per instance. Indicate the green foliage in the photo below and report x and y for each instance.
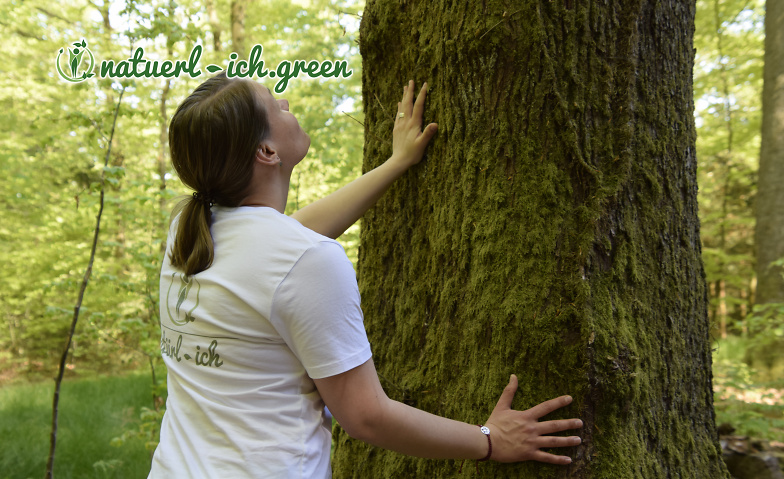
(148, 430)
(727, 90)
(728, 39)
(92, 412)
(55, 138)
(766, 324)
(751, 419)
(744, 397)
(51, 160)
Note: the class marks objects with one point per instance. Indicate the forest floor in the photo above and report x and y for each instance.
(98, 409)
(93, 413)
(747, 400)
(749, 405)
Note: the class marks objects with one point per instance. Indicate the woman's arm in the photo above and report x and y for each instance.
(364, 411)
(334, 214)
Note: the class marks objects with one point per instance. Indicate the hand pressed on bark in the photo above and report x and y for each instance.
(333, 215)
(518, 435)
(408, 139)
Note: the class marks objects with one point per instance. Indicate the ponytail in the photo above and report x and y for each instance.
(213, 138)
(193, 246)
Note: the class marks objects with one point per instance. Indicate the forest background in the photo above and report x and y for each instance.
(55, 135)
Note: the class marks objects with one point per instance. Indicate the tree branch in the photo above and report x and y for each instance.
(22, 33)
(53, 15)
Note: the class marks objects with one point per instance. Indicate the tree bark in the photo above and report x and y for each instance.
(551, 231)
(769, 231)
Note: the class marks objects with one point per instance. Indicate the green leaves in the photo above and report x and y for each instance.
(51, 159)
(727, 92)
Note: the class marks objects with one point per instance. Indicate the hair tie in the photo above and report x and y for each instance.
(204, 199)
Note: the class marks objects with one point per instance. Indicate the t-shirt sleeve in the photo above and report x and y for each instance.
(316, 310)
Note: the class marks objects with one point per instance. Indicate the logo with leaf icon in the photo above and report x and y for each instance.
(182, 315)
(76, 59)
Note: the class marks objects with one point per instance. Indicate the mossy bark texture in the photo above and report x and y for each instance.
(551, 231)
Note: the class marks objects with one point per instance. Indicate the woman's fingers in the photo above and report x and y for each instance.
(550, 458)
(520, 435)
(558, 441)
(419, 106)
(407, 106)
(549, 427)
(507, 395)
(408, 94)
(409, 140)
(547, 407)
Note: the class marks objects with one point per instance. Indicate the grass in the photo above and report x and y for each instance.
(744, 397)
(92, 413)
(95, 411)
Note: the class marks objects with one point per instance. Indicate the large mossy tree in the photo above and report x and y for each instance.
(551, 231)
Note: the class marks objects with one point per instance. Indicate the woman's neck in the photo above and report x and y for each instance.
(269, 190)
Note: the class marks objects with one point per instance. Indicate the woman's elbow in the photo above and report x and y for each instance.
(366, 423)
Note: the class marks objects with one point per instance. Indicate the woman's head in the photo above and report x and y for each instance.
(287, 139)
(213, 138)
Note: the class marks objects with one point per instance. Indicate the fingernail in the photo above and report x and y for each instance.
(568, 399)
(578, 423)
(568, 460)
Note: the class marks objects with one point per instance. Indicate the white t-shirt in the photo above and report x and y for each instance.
(242, 341)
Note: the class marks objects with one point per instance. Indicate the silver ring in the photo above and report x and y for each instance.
(401, 115)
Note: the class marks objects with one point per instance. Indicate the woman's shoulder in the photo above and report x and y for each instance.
(263, 225)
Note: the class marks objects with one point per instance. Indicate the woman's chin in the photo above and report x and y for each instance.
(303, 157)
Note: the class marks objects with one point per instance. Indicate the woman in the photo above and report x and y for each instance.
(261, 320)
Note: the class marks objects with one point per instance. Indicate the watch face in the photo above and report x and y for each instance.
(485, 430)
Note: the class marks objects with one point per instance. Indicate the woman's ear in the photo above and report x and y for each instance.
(267, 156)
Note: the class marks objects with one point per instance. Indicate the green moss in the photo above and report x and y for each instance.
(544, 234)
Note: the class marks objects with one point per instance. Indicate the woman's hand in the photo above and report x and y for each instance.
(518, 435)
(333, 215)
(408, 139)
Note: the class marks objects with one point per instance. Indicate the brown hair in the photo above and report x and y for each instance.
(213, 138)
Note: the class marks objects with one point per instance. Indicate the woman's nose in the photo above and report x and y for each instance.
(284, 104)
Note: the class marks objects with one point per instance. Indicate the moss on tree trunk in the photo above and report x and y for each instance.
(551, 231)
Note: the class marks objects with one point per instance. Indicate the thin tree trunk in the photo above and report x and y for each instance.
(12, 330)
(215, 25)
(238, 8)
(724, 159)
(163, 142)
(769, 231)
(551, 231)
(721, 286)
(77, 307)
(744, 296)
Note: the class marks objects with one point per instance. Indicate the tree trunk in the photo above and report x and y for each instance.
(769, 233)
(238, 8)
(215, 25)
(551, 231)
